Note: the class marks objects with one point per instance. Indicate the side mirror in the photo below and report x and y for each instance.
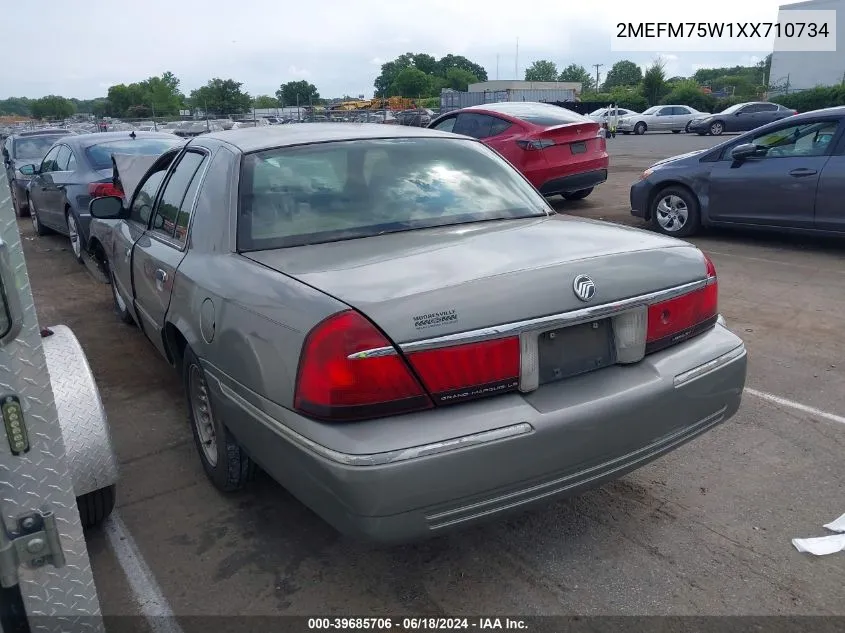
(746, 150)
(107, 208)
(28, 170)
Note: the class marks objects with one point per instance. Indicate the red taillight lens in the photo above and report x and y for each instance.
(535, 144)
(464, 372)
(678, 319)
(103, 189)
(332, 386)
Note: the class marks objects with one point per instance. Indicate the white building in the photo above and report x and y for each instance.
(803, 70)
(513, 84)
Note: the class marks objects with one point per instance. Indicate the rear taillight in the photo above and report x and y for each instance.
(333, 384)
(465, 372)
(678, 319)
(535, 144)
(103, 189)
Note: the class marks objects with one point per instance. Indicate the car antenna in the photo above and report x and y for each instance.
(132, 134)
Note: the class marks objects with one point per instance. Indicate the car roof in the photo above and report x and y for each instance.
(834, 111)
(43, 132)
(87, 140)
(259, 138)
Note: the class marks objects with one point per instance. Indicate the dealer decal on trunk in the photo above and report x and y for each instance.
(432, 319)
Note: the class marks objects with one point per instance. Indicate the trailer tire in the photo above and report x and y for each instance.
(96, 506)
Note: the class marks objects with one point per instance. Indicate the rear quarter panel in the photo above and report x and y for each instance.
(245, 321)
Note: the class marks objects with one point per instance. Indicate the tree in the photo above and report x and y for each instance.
(541, 70)
(52, 106)
(436, 71)
(459, 79)
(390, 71)
(653, 84)
(15, 105)
(689, 93)
(159, 94)
(623, 73)
(221, 96)
(411, 82)
(459, 61)
(266, 101)
(297, 93)
(426, 63)
(574, 72)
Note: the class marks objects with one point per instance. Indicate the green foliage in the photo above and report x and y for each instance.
(624, 99)
(411, 82)
(689, 93)
(721, 104)
(297, 92)
(437, 71)
(459, 79)
(653, 85)
(623, 73)
(541, 70)
(221, 96)
(813, 99)
(52, 107)
(266, 101)
(744, 81)
(159, 94)
(430, 102)
(15, 106)
(574, 72)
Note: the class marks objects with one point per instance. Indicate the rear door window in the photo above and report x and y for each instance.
(170, 203)
(499, 126)
(63, 158)
(446, 125)
(474, 125)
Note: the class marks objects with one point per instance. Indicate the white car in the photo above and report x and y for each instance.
(603, 114)
(674, 118)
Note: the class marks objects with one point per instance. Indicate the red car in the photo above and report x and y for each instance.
(558, 150)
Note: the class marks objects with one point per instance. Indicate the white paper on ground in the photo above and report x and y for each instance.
(838, 525)
(821, 545)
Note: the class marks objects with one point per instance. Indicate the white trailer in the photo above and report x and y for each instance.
(57, 468)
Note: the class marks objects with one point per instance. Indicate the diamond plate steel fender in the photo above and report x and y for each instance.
(41, 477)
(85, 428)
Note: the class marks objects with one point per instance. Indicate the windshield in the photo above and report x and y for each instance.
(598, 112)
(652, 110)
(34, 147)
(100, 155)
(351, 189)
(733, 108)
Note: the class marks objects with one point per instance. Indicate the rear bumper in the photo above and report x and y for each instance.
(573, 182)
(556, 441)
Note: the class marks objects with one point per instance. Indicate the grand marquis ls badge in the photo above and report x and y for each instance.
(584, 287)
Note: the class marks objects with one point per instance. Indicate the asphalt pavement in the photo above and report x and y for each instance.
(705, 530)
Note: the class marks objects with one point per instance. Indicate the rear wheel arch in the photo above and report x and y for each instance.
(175, 343)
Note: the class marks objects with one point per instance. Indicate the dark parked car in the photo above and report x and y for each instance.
(788, 175)
(22, 149)
(77, 169)
(741, 117)
(394, 325)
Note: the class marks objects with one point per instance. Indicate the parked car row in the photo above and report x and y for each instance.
(788, 175)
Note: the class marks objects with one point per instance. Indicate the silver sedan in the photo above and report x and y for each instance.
(394, 324)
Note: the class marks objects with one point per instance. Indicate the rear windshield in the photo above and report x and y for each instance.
(100, 155)
(344, 190)
(34, 147)
(538, 113)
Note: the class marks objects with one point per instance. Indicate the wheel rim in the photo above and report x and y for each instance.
(33, 215)
(717, 128)
(73, 233)
(203, 419)
(672, 213)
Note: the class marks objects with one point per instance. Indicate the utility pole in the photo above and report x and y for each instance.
(597, 66)
(516, 61)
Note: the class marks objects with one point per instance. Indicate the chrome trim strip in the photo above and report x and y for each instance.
(373, 353)
(706, 368)
(372, 459)
(552, 321)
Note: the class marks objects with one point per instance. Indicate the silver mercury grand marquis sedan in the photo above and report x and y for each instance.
(394, 324)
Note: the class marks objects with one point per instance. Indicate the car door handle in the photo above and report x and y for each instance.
(60, 187)
(161, 275)
(802, 171)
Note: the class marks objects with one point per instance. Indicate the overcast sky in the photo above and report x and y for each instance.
(79, 49)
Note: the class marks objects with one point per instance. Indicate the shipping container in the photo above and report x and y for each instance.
(455, 100)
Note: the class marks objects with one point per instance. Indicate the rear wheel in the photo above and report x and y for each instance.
(577, 195)
(119, 304)
(96, 506)
(640, 128)
(17, 204)
(76, 245)
(224, 461)
(686, 128)
(716, 128)
(675, 212)
(39, 228)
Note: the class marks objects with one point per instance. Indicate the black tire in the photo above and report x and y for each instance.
(16, 205)
(693, 221)
(577, 195)
(70, 217)
(676, 131)
(686, 128)
(119, 305)
(95, 507)
(40, 229)
(717, 128)
(640, 128)
(233, 469)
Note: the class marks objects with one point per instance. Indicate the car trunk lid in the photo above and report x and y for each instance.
(434, 282)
